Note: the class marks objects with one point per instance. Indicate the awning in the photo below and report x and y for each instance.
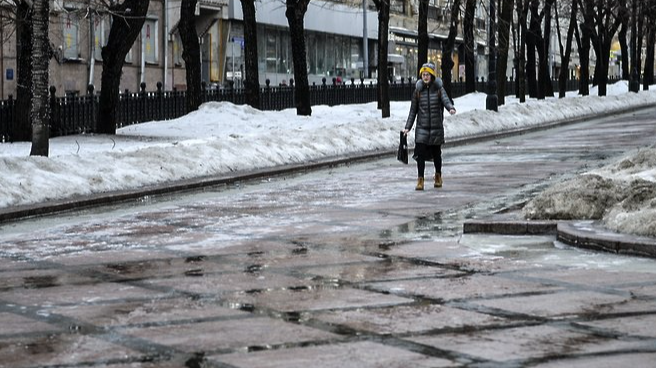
(202, 26)
(395, 58)
(403, 31)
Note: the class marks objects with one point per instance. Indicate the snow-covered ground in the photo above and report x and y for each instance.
(222, 137)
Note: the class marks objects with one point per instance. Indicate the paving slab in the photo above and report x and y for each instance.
(474, 286)
(513, 346)
(636, 325)
(150, 312)
(607, 361)
(363, 354)
(228, 335)
(556, 304)
(417, 318)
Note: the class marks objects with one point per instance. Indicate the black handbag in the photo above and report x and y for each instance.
(402, 153)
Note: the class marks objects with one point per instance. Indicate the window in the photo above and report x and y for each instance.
(284, 53)
(329, 56)
(261, 49)
(271, 58)
(177, 49)
(100, 34)
(149, 36)
(397, 6)
(311, 42)
(71, 26)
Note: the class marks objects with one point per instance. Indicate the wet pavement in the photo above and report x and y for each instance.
(342, 267)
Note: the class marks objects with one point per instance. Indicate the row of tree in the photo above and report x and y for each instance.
(592, 24)
(527, 25)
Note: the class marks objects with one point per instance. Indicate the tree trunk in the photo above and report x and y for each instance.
(602, 66)
(624, 49)
(40, 111)
(295, 13)
(640, 32)
(252, 81)
(546, 89)
(532, 45)
(505, 18)
(522, 15)
(564, 61)
(633, 83)
(422, 35)
(21, 131)
(127, 20)
(383, 7)
(468, 25)
(587, 27)
(448, 47)
(191, 54)
(651, 43)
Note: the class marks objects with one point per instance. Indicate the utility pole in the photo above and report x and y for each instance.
(365, 48)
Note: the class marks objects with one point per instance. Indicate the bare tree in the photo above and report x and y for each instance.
(533, 38)
(544, 78)
(587, 28)
(520, 48)
(295, 14)
(636, 45)
(191, 54)
(505, 18)
(127, 20)
(602, 20)
(650, 14)
(468, 25)
(252, 81)
(448, 47)
(40, 109)
(22, 127)
(383, 7)
(624, 47)
(565, 51)
(422, 35)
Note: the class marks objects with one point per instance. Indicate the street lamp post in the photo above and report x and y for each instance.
(492, 100)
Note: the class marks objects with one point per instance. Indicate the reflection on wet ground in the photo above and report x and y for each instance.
(347, 267)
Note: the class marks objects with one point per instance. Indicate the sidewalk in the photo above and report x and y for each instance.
(342, 267)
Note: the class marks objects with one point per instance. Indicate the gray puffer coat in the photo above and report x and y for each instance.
(428, 103)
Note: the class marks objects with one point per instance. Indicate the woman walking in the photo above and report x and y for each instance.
(428, 103)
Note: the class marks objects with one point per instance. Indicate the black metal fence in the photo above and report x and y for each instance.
(78, 114)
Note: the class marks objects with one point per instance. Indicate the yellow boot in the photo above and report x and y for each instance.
(438, 180)
(420, 184)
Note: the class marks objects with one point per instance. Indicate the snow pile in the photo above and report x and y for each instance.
(621, 195)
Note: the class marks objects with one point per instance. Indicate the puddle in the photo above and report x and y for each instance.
(194, 273)
(38, 282)
(547, 250)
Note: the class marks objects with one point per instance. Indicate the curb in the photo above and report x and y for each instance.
(510, 227)
(590, 235)
(140, 194)
(581, 234)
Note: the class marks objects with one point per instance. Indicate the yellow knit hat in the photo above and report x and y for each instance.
(428, 67)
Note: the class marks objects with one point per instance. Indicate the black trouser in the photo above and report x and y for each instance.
(423, 153)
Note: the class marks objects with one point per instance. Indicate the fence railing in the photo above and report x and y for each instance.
(79, 114)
